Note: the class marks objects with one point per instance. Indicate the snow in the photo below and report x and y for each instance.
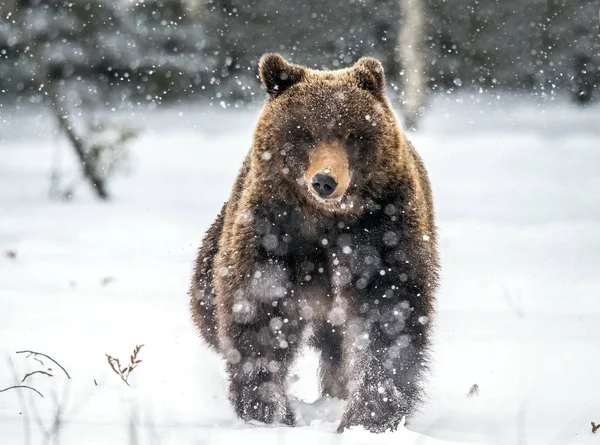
(515, 183)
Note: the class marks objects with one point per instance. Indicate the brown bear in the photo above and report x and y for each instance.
(328, 237)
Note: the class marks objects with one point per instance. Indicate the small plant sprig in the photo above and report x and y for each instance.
(125, 371)
(473, 391)
(595, 427)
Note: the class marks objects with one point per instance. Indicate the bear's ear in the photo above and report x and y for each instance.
(277, 75)
(370, 76)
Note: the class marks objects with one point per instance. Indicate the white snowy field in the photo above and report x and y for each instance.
(517, 191)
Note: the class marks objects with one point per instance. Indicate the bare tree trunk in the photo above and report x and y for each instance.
(89, 171)
(586, 57)
(44, 82)
(412, 58)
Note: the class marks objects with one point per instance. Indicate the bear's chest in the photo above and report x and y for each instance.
(299, 233)
(360, 244)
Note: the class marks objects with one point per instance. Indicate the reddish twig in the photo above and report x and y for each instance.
(125, 371)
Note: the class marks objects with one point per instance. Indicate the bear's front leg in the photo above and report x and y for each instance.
(257, 368)
(385, 356)
(260, 335)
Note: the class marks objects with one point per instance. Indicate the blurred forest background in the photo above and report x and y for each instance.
(158, 51)
(81, 55)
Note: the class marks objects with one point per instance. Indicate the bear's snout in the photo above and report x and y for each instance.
(324, 185)
(328, 172)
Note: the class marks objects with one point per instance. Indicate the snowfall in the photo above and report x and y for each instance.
(516, 184)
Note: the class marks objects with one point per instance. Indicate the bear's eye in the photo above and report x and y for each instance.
(352, 139)
(307, 138)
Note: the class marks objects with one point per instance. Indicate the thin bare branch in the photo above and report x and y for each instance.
(36, 372)
(24, 406)
(46, 356)
(22, 386)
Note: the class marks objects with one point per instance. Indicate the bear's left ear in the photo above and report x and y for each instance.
(277, 75)
(370, 76)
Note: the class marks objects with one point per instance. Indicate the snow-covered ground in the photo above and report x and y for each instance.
(517, 188)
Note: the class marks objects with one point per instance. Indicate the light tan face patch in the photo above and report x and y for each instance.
(329, 159)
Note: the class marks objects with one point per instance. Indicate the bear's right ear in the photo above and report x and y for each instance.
(370, 76)
(277, 75)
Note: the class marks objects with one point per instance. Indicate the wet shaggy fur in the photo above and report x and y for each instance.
(359, 271)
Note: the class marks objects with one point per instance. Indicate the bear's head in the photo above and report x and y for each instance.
(329, 136)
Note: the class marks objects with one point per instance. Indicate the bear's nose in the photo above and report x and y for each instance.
(324, 185)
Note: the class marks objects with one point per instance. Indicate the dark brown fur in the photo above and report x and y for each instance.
(361, 270)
